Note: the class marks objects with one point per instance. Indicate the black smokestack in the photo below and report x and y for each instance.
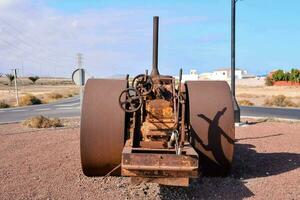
(155, 47)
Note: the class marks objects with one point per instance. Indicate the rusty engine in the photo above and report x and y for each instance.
(156, 128)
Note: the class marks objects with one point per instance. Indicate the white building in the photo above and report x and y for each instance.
(225, 74)
(219, 74)
(192, 76)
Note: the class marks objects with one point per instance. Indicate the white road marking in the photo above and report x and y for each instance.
(69, 108)
(18, 110)
(67, 105)
(42, 109)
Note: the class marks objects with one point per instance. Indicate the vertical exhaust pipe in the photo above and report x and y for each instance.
(154, 71)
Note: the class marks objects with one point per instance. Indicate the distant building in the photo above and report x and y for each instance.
(192, 76)
(219, 74)
(225, 74)
(205, 76)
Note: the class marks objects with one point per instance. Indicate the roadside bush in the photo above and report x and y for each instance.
(42, 122)
(54, 95)
(245, 102)
(29, 99)
(268, 81)
(280, 101)
(3, 105)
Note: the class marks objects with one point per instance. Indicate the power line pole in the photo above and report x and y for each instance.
(236, 106)
(79, 63)
(16, 85)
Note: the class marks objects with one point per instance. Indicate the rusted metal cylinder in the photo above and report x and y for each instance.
(155, 47)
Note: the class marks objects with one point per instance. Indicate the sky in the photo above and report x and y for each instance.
(42, 37)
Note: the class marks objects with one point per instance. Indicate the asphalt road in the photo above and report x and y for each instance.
(71, 108)
(64, 108)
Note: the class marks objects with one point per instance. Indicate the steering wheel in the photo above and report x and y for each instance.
(130, 100)
(143, 83)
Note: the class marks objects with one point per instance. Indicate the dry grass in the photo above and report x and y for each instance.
(29, 99)
(280, 101)
(43, 87)
(4, 105)
(53, 96)
(42, 122)
(248, 95)
(245, 102)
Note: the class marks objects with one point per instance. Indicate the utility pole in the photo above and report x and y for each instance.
(235, 104)
(16, 86)
(81, 74)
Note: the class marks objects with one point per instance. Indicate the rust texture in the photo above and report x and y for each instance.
(159, 163)
(212, 123)
(170, 132)
(102, 126)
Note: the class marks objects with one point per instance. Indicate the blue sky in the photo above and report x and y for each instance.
(116, 36)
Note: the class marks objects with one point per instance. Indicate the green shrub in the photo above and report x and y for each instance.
(286, 76)
(278, 75)
(295, 75)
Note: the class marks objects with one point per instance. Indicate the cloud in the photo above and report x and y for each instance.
(6, 3)
(45, 40)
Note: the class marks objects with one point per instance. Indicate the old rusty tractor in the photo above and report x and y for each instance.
(155, 128)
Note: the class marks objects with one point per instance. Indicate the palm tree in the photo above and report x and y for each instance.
(10, 77)
(33, 78)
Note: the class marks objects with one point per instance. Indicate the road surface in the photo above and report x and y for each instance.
(64, 108)
(71, 108)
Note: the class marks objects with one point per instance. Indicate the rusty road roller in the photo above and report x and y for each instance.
(154, 129)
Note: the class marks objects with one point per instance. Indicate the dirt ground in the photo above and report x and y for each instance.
(45, 164)
(42, 87)
(252, 89)
(256, 92)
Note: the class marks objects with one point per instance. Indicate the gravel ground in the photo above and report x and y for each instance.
(45, 164)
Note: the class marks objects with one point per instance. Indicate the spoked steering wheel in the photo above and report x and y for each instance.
(143, 83)
(130, 100)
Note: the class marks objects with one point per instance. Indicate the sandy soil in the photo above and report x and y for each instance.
(255, 91)
(42, 87)
(45, 164)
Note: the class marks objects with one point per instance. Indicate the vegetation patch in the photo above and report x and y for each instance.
(248, 95)
(280, 75)
(3, 105)
(29, 99)
(54, 95)
(269, 81)
(42, 122)
(33, 79)
(280, 101)
(245, 102)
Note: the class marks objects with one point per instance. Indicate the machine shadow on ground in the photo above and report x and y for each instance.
(248, 163)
